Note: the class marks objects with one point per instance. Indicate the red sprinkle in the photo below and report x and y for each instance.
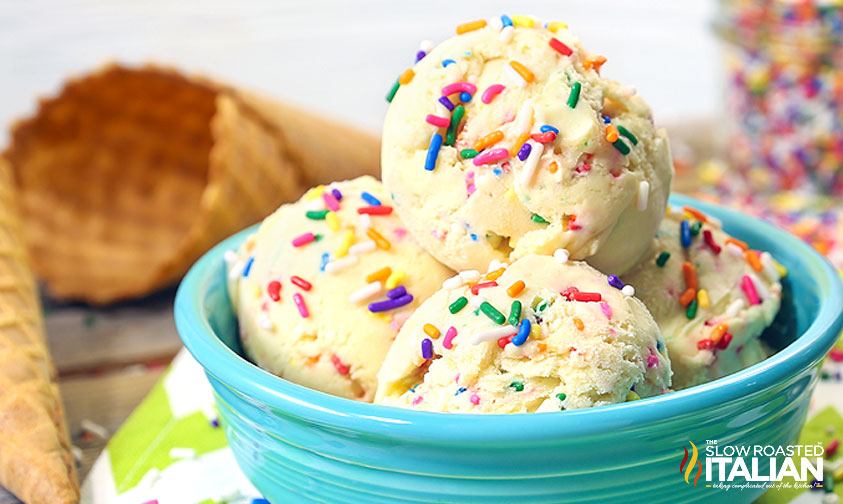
(544, 138)
(569, 293)
(505, 340)
(375, 210)
(652, 361)
(709, 240)
(304, 284)
(831, 449)
(588, 297)
(836, 354)
(274, 290)
(706, 344)
(476, 287)
(560, 47)
(341, 368)
(723, 344)
(572, 223)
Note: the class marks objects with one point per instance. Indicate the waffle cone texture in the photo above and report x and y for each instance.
(35, 459)
(129, 174)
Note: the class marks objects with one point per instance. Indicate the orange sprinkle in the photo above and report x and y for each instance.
(494, 275)
(696, 213)
(523, 137)
(490, 139)
(739, 243)
(690, 275)
(553, 167)
(579, 324)
(522, 71)
(406, 76)
(612, 133)
(379, 275)
(595, 63)
(541, 346)
(718, 332)
(471, 26)
(516, 288)
(752, 258)
(687, 297)
(380, 241)
(431, 331)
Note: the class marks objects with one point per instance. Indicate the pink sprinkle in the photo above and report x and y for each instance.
(338, 365)
(439, 122)
(450, 334)
(400, 233)
(304, 239)
(475, 399)
(836, 354)
(459, 87)
(330, 201)
(606, 309)
(490, 92)
(300, 305)
(749, 290)
(457, 378)
(652, 361)
(491, 156)
(417, 400)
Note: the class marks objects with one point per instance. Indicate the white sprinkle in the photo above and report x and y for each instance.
(514, 76)
(628, 290)
(524, 119)
(627, 90)
(676, 212)
(760, 287)
(427, 46)
(230, 256)
(733, 309)
(77, 453)
(472, 78)
(476, 301)
(365, 221)
(495, 265)
(469, 276)
(366, 292)
(457, 229)
(265, 323)
(506, 34)
(315, 205)
(94, 428)
(453, 282)
(714, 222)
(177, 453)
(495, 23)
(236, 270)
(491, 335)
(530, 164)
(769, 267)
(341, 264)
(734, 249)
(561, 255)
(643, 195)
(362, 247)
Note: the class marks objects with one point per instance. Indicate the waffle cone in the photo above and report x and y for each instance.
(35, 459)
(129, 174)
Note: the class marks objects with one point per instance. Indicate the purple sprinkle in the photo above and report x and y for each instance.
(337, 194)
(524, 151)
(427, 348)
(420, 55)
(390, 304)
(396, 292)
(615, 282)
(215, 422)
(445, 101)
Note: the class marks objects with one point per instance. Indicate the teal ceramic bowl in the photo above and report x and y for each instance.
(299, 445)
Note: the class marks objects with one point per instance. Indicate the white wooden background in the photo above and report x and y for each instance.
(341, 56)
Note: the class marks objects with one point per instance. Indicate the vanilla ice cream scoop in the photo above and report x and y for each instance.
(321, 289)
(507, 142)
(538, 335)
(711, 296)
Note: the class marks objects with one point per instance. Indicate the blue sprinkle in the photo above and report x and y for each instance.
(497, 171)
(420, 56)
(506, 20)
(446, 62)
(473, 236)
(248, 266)
(260, 501)
(467, 53)
(337, 194)
(685, 233)
(368, 198)
(658, 345)
(465, 97)
(523, 333)
(447, 103)
(460, 391)
(433, 152)
(607, 120)
(324, 261)
(524, 151)
(547, 127)
(427, 348)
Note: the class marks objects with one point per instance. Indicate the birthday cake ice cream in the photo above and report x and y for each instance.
(323, 286)
(539, 335)
(711, 296)
(505, 141)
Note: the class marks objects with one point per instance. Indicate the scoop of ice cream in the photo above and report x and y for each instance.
(537, 336)
(323, 286)
(710, 295)
(509, 142)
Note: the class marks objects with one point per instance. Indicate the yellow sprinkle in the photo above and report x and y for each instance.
(632, 396)
(406, 76)
(258, 293)
(510, 193)
(378, 238)
(471, 26)
(394, 279)
(536, 333)
(494, 275)
(521, 20)
(379, 275)
(667, 211)
(345, 244)
(781, 269)
(431, 331)
(557, 25)
(333, 221)
(579, 324)
(702, 298)
(314, 193)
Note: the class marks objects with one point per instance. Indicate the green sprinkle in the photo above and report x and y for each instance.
(456, 117)
(317, 237)
(695, 228)
(493, 313)
(662, 259)
(316, 214)
(458, 305)
(622, 147)
(691, 312)
(542, 307)
(515, 313)
(517, 385)
(628, 134)
(574, 96)
(468, 153)
(539, 219)
(391, 94)
(632, 396)
(561, 396)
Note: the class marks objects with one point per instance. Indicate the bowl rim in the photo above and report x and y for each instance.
(317, 407)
